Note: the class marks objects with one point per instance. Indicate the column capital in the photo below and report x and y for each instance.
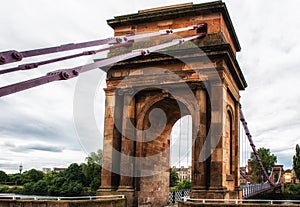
(197, 86)
(125, 91)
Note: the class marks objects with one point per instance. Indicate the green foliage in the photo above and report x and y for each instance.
(173, 178)
(3, 177)
(268, 161)
(15, 189)
(184, 184)
(296, 162)
(292, 189)
(72, 188)
(174, 188)
(41, 187)
(15, 179)
(28, 188)
(92, 174)
(74, 181)
(32, 175)
(4, 188)
(95, 157)
(92, 170)
(74, 173)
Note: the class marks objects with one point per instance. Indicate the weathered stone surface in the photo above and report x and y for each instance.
(226, 204)
(103, 203)
(175, 85)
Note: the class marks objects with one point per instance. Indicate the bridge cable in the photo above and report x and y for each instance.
(66, 74)
(265, 175)
(29, 66)
(180, 143)
(187, 139)
(16, 56)
(243, 147)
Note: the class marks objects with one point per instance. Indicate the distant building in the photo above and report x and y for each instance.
(59, 169)
(55, 169)
(288, 177)
(249, 167)
(242, 179)
(184, 173)
(46, 170)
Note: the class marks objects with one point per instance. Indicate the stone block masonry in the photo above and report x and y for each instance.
(195, 204)
(119, 202)
(136, 155)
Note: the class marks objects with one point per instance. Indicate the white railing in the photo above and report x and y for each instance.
(33, 197)
(240, 201)
(178, 195)
(252, 189)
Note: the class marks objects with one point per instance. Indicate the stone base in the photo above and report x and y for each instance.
(198, 204)
(129, 194)
(112, 202)
(122, 190)
(104, 191)
(215, 193)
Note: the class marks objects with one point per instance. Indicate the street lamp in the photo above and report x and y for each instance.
(21, 168)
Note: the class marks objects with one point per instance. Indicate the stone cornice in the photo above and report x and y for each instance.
(173, 12)
(216, 51)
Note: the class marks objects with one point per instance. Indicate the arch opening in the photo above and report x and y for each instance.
(181, 148)
(159, 148)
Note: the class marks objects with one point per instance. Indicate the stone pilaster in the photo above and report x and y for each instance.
(216, 136)
(236, 163)
(110, 159)
(126, 185)
(199, 181)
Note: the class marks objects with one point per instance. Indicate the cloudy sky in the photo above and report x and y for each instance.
(37, 127)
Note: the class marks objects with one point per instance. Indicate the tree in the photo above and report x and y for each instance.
(268, 161)
(92, 174)
(15, 178)
(72, 188)
(28, 188)
(3, 177)
(40, 188)
(95, 157)
(173, 178)
(74, 173)
(296, 162)
(75, 180)
(32, 175)
(92, 170)
(56, 183)
(184, 184)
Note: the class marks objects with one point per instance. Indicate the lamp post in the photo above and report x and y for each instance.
(21, 168)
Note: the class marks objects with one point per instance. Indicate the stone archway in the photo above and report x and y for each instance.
(137, 165)
(158, 150)
(165, 83)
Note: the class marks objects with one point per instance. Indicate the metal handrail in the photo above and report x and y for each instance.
(238, 201)
(28, 197)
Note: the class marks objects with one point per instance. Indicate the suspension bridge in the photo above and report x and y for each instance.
(253, 188)
(187, 83)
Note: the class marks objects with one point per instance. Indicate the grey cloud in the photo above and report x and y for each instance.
(281, 124)
(37, 147)
(28, 131)
(4, 159)
(8, 166)
(21, 132)
(46, 148)
(21, 126)
(8, 144)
